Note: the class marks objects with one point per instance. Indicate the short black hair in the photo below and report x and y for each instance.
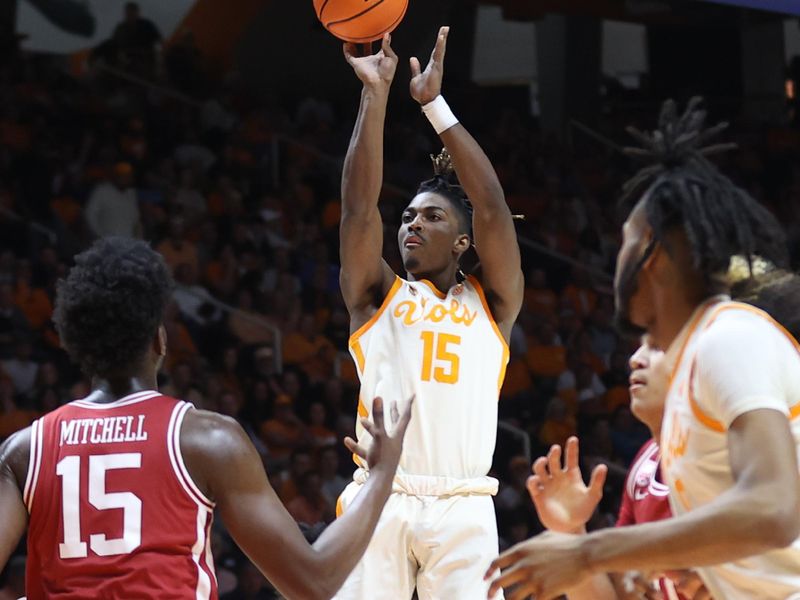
(109, 307)
(455, 195)
(445, 184)
(683, 189)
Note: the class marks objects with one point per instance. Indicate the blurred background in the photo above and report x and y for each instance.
(216, 131)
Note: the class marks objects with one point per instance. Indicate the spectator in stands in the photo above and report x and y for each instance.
(113, 207)
(310, 505)
(21, 368)
(13, 323)
(333, 483)
(137, 42)
(284, 432)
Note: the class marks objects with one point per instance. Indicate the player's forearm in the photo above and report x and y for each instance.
(362, 176)
(475, 172)
(342, 544)
(733, 527)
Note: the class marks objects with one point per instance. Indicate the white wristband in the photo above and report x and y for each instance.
(439, 114)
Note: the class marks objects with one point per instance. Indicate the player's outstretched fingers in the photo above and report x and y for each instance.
(534, 485)
(405, 418)
(554, 460)
(377, 414)
(355, 447)
(598, 480)
(416, 69)
(572, 454)
(386, 46)
(350, 52)
(540, 468)
(440, 48)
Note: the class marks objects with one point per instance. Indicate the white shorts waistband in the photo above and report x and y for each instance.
(429, 485)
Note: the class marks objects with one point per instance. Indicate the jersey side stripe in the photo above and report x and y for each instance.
(203, 591)
(39, 444)
(34, 464)
(506, 352)
(384, 305)
(179, 457)
(173, 447)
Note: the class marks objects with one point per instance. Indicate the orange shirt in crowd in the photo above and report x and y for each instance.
(546, 361)
(34, 303)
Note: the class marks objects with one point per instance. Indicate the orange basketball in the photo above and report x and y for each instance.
(360, 21)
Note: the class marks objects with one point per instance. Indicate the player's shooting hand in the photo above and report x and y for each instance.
(543, 567)
(375, 70)
(426, 85)
(562, 500)
(384, 451)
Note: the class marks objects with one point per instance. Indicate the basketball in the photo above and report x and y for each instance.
(360, 21)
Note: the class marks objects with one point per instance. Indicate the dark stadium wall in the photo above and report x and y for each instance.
(286, 50)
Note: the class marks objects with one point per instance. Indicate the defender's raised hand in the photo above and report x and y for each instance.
(564, 503)
(375, 70)
(385, 450)
(426, 85)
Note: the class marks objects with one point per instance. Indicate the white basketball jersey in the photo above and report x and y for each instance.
(734, 359)
(447, 352)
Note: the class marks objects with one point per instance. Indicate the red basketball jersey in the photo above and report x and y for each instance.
(113, 511)
(646, 499)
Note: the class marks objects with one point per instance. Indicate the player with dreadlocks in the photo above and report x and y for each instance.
(437, 334)
(730, 434)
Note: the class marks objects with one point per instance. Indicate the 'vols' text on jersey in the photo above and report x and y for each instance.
(114, 513)
(447, 352)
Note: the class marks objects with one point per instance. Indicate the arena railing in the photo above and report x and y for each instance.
(277, 337)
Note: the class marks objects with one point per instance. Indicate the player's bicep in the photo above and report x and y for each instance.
(13, 514)
(501, 267)
(251, 510)
(363, 268)
(763, 460)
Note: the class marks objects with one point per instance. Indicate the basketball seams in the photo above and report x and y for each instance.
(370, 38)
(355, 16)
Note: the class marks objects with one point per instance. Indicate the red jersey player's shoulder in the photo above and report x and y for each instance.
(212, 445)
(15, 455)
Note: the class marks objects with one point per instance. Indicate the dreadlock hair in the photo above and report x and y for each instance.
(683, 189)
(445, 184)
(109, 307)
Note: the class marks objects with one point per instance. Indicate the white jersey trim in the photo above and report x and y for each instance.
(203, 590)
(176, 457)
(34, 463)
(125, 401)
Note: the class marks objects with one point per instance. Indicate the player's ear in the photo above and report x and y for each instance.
(462, 244)
(160, 341)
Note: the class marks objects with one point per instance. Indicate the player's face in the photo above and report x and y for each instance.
(648, 384)
(635, 240)
(429, 237)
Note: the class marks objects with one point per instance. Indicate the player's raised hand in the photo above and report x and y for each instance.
(376, 70)
(426, 85)
(564, 503)
(385, 450)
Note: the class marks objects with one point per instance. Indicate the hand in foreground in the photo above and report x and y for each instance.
(426, 85)
(563, 502)
(385, 450)
(375, 70)
(689, 584)
(543, 567)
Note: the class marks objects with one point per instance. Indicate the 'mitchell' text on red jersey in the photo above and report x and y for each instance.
(113, 510)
